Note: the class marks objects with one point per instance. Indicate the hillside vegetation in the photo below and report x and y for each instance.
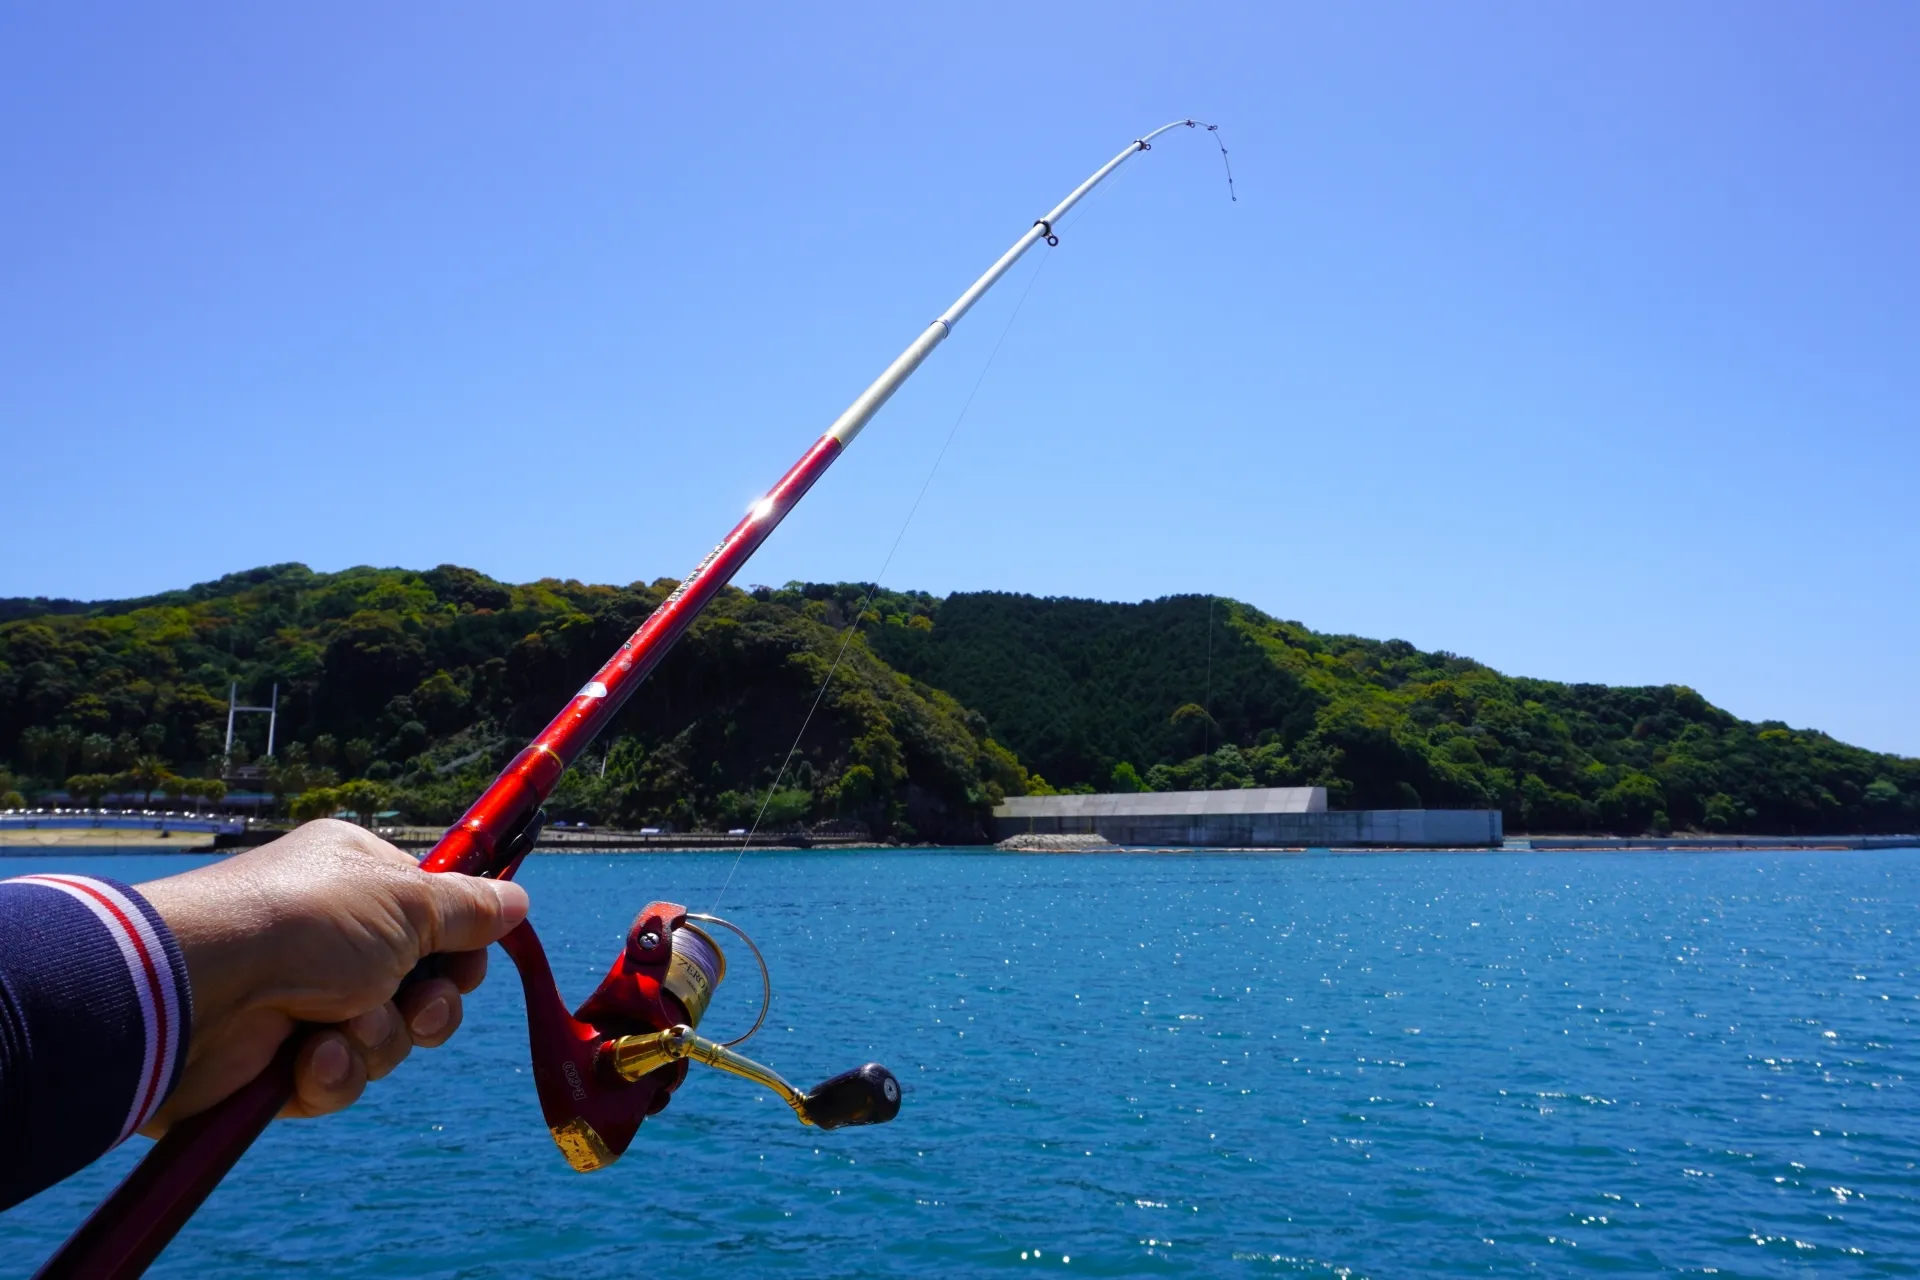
(406, 690)
(1191, 692)
(412, 688)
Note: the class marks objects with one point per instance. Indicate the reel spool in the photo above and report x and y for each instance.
(697, 967)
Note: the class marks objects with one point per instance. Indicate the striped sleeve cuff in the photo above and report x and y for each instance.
(95, 1012)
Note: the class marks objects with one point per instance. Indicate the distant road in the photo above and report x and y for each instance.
(570, 840)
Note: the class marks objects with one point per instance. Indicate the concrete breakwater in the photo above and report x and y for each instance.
(1243, 818)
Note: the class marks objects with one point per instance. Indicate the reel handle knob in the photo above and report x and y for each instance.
(864, 1095)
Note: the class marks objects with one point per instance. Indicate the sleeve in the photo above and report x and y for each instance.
(95, 1012)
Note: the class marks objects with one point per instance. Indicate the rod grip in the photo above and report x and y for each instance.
(130, 1228)
(864, 1095)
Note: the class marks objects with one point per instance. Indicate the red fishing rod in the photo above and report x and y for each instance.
(617, 1059)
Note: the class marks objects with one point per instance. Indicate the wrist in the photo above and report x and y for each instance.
(212, 944)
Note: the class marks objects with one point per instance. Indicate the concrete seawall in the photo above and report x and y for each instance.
(1398, 828)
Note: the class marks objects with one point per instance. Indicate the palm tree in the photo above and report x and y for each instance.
(151, 774)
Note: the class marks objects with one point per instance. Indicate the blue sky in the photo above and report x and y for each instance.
(1583, 339)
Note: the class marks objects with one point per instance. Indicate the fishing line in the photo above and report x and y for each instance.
(1079, 215)
(873, 587)
(1214, 129)
(1072, 223)
(852, 626)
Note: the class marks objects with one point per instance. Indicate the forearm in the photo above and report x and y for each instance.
(95, 1015)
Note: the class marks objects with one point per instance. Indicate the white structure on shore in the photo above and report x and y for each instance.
(1243, 818)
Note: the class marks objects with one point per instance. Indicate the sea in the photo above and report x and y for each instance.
(1163, 1065)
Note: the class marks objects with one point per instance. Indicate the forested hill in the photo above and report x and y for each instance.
(420, 685)
(407, 689)
(1190, 692)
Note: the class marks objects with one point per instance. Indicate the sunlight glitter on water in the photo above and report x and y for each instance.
(1168, 1066)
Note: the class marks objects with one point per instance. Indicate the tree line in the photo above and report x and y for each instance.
(404, 692)
(1193, 692)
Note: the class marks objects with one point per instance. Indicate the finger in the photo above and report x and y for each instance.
(465, 913)
(328, 1074)
(381, 1036)
(464, 969)
(432, 1010)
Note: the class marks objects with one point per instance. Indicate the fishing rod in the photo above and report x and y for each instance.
(601, 1070)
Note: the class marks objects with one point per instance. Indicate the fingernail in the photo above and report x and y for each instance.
(432, 1019)
(370, 1028)
(330, 1064)
(512, 898)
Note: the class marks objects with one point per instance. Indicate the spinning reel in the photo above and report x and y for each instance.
(617, 1059)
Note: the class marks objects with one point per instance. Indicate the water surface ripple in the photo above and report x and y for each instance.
(1390, 1065)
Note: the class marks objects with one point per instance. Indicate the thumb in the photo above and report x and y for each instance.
(465, 913)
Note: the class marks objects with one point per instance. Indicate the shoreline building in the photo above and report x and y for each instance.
(1245, 818)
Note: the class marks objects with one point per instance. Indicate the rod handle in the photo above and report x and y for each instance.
(864, 1095)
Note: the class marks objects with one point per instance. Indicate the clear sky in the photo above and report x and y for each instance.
(1583, 339)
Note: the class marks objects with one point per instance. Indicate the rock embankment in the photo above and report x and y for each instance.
(1055, 844)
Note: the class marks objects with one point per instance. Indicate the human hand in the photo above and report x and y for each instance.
(320, 926)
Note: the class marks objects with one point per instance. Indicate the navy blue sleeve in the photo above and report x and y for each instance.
(94, 1016)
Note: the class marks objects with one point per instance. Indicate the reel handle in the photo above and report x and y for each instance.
(864, 1095)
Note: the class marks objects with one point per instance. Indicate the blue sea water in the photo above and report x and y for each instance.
(1381, 1065)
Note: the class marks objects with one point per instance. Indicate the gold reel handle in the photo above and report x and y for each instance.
(865, 1095)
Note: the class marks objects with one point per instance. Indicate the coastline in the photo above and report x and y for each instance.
(19, 841)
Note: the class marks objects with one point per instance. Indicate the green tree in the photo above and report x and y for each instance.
(1720, 812)
(856, 787)
(202, 791)
(291, 772)
(786, 807)
(33, 745)
(149, 773)
(96, 751)
(63, 745)
(1630, 805)
(1126, 778)
(363, 799)
(318, 802)
(89, 788)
